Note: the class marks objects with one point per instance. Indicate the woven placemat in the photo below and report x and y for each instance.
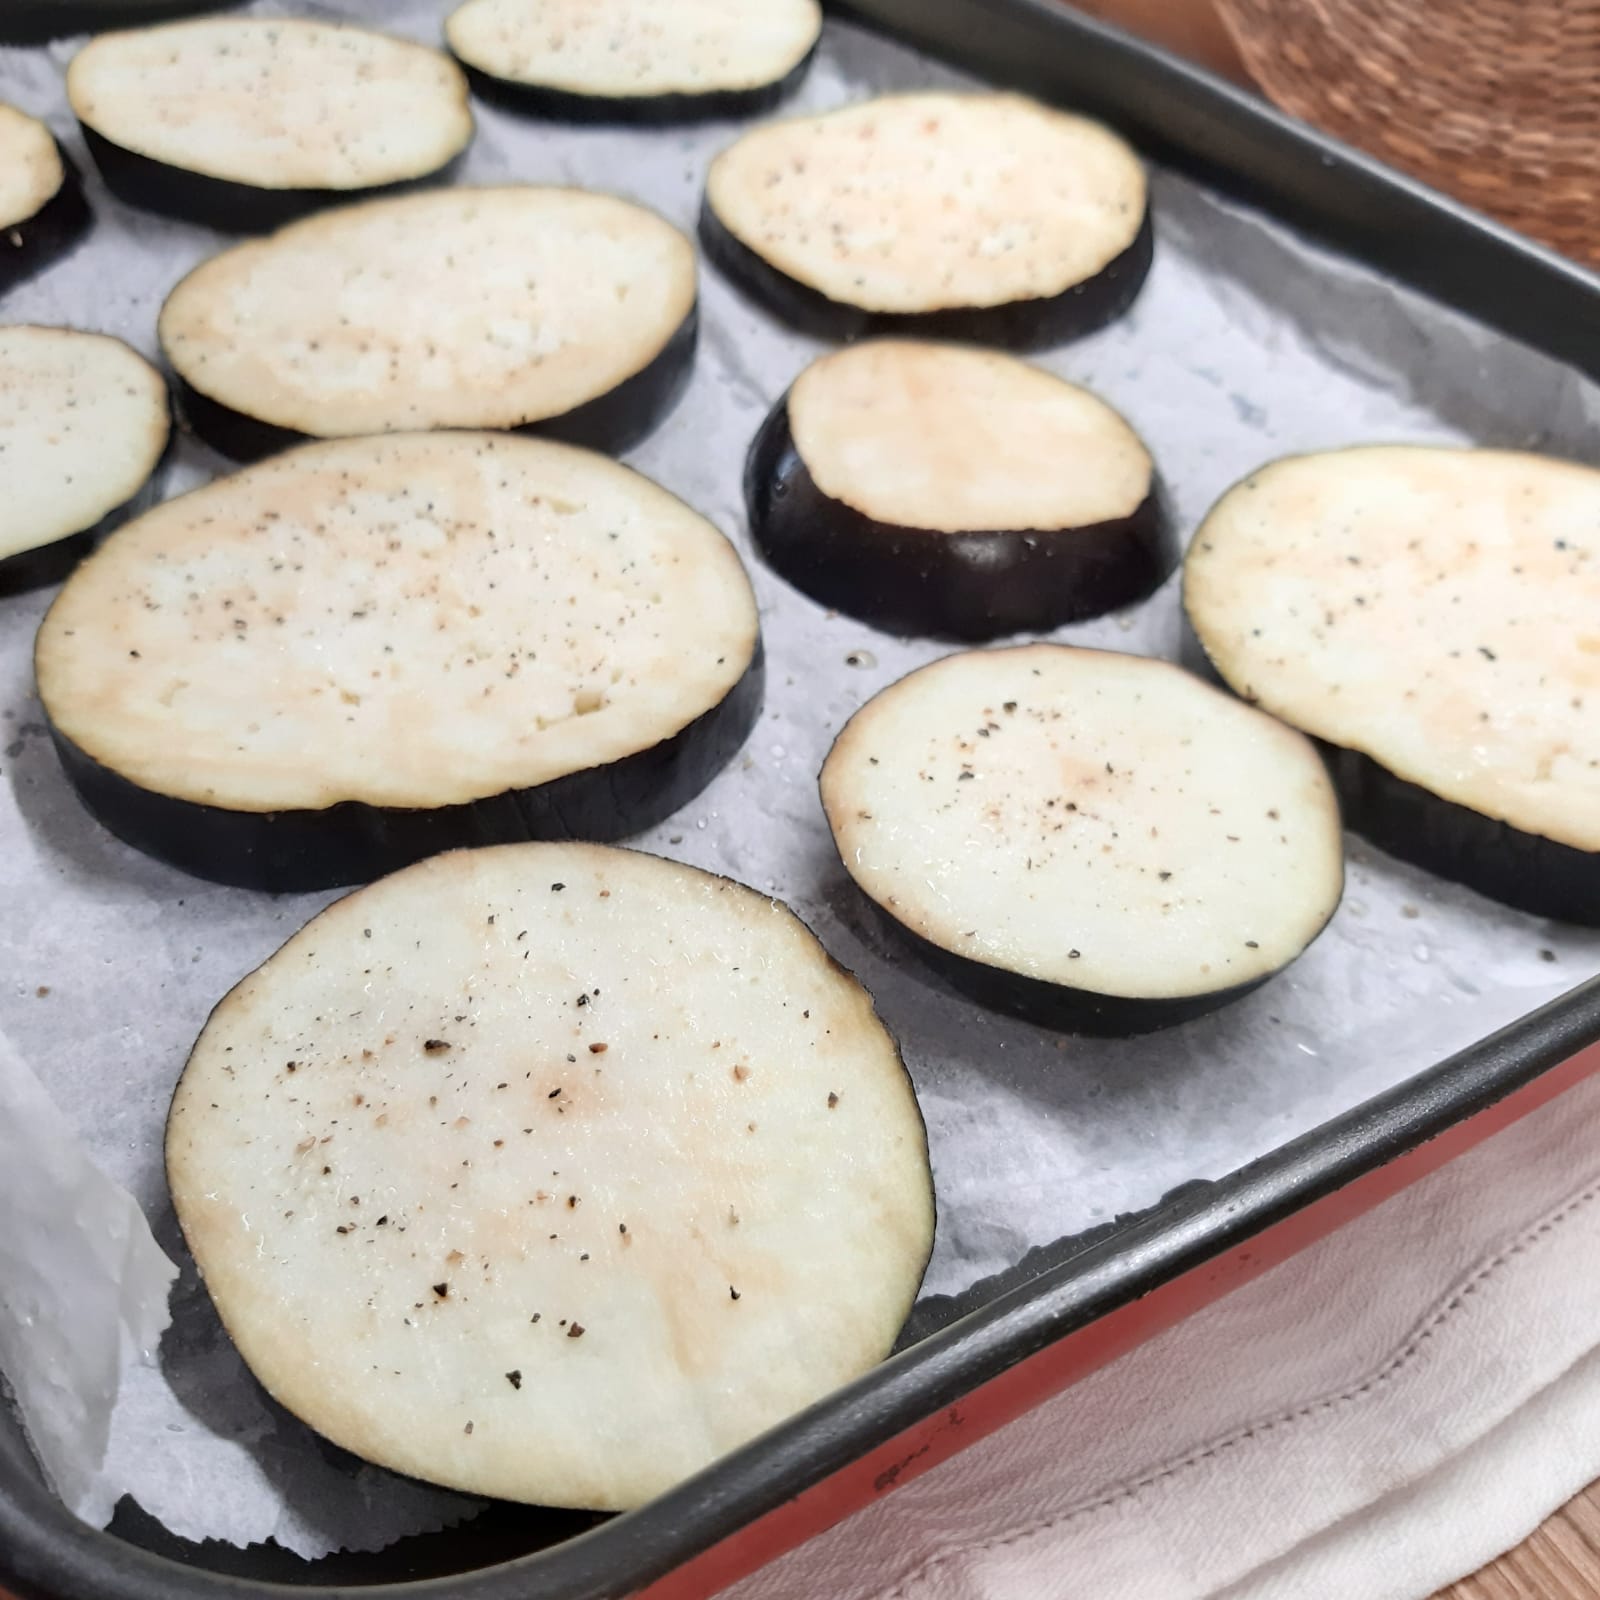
(1494, 101)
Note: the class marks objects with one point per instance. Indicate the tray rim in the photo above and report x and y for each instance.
(1193, 121)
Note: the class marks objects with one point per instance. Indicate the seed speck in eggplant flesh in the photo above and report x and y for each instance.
(567, 647)
(1128, 848)
(597, 1362)
(1429, 614)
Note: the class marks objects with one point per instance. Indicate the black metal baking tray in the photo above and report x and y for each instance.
(968, 1363)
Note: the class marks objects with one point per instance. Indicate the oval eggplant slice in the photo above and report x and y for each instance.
(1430, 614)
(554, 309)
(987, 217)
(359, 653)
(42, 209)
(938, 489)
(620, 61)
(246, 122)
(552, 1172)
(1094, 841)
(83, 426)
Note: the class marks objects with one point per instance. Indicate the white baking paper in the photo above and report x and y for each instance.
(83, 1290)
(1245, 344)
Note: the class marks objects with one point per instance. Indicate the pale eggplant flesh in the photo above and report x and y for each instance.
(399, 645)
(187, 119)
(43, 212)
(1427, 614)
(1096, 842)
(84, 427)
(261, 364)
(981, 217)
(953, 492)
(610, 61)
(552, 1173)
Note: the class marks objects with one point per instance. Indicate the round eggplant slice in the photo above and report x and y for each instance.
(619, 61)
(1430, 615)
(552, 1172)
(359, 653)
(83, 427)
(554, 309)
(938, 489)
(42, 209)
(246, 122)
(1096, 842)
(986, 217)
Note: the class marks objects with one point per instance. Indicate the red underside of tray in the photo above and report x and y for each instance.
(1035, 1380)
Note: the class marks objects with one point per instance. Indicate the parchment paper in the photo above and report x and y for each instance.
(1244, 345)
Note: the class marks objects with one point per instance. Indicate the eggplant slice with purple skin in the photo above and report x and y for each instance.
(575, 1168)
(567, 313)
(982, 217)
(43, 213)
(1096, 842)
(1430, 615)
(188, 119)
(619, 61)
(84, 425)
(937, 489)
(363, 652)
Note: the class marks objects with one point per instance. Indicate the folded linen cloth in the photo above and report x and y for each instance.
(1377, 1417)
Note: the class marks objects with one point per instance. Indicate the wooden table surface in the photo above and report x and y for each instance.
(1559, 1561)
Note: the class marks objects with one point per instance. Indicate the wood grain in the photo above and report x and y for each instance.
(1558, 1561)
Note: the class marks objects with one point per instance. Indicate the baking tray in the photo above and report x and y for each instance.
(972, 1359)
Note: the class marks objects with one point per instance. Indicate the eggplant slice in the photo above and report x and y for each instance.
(986, 217)
(552, 1172)
(1093, 841)
(623, 61)
(937, 489)
(83, 427)
(1430, 614)
(42, 209)
(246, 122)
(554, 309)
(357, 654)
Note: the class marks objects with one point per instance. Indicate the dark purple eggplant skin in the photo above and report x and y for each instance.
(294, 851)
(612, 422)
(1049, 1005)
(1519, 869)
(1018, 325)
(208, 202)
(52, 563)
(915, 581)
(29, 246)
(39, 21)
(649, 110)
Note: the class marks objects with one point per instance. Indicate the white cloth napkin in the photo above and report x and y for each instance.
(1377, 1417)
